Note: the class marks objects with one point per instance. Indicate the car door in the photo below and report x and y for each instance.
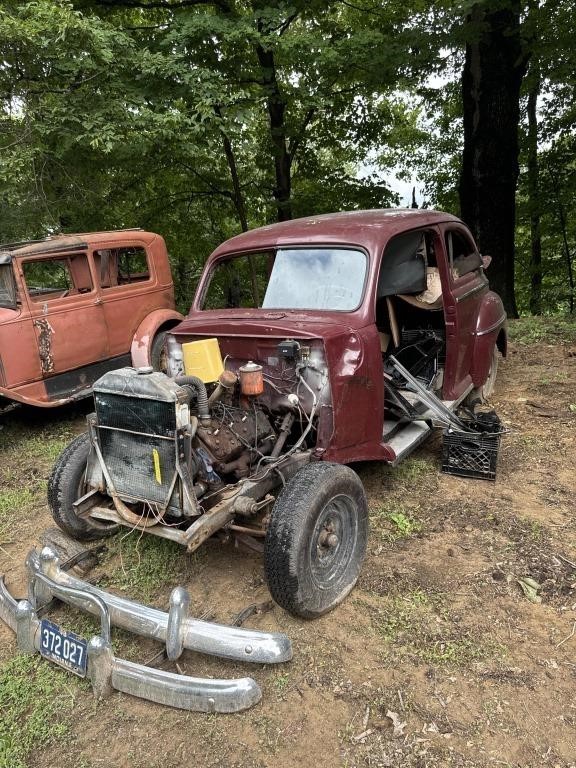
(466, 287)
(128, 290)
(66, 313)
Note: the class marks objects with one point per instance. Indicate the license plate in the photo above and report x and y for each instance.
(65, 648)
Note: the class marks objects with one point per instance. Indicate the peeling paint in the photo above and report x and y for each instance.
(45, 332)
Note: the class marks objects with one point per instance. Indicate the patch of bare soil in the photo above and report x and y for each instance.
(438, 657)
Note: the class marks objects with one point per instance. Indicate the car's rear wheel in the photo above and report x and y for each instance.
(66, 485)
(483, 393)
(487, 389)
(316, 539)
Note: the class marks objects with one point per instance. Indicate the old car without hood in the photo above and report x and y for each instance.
(287, 368)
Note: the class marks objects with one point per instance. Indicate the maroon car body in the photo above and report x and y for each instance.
(75, 306)
(310, 344)
(352, 428)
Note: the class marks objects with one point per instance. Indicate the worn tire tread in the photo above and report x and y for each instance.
(287, 525)
(62, 489)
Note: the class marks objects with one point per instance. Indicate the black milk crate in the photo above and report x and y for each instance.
(474, 453)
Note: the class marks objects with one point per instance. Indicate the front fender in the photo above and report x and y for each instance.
(491, 329)
(160, 319)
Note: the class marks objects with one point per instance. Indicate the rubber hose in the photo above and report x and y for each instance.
(201, 394)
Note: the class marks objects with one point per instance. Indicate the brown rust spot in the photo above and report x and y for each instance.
(45, 332)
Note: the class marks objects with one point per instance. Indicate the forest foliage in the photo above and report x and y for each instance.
(201, 118)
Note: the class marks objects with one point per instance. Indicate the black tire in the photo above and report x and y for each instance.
(66, 484)
(158, 359)
(308, 574)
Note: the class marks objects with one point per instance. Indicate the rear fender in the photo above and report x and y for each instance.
(491, 329)
(155, 322)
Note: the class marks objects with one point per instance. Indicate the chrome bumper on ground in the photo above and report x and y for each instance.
(175, 628)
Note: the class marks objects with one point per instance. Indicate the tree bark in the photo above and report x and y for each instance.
(534, 199)
(494, 67)
(567, 255)
(276, 106)
(239, 203)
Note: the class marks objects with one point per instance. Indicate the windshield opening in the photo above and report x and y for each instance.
(289, 278)
(8, 296)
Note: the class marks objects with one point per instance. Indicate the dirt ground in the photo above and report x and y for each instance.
(437, 658)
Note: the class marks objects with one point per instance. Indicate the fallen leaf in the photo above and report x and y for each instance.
(397, 724)
(530, 588)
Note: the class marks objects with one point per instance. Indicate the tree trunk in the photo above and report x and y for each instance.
(239, 203)
(534, 199)
(569, 267)
(494, 67)
(276, 106)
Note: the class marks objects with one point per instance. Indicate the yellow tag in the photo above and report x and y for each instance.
(157, 471)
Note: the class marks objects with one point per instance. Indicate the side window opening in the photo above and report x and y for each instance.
(409, 272)
(409, 315)
(48, 279)
(403, 268)
(463, 257)
(121, 266)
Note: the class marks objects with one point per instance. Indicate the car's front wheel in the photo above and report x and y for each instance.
(316, 539)
(66, 485)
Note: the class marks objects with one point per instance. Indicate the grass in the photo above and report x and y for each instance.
(553, 330)
(26, 458)
(413, 470)
(148, 564)
(281, 683)
(35, 700)
(14, 500)
(397, 523)
(44, 443)
(17, 503)
(415, 628)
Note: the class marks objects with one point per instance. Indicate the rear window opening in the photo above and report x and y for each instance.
(121, 266)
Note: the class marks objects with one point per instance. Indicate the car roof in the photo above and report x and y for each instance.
(77, 241)
(366, 229)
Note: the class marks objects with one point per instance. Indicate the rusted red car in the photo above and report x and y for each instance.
(310, 344)
(75, 306)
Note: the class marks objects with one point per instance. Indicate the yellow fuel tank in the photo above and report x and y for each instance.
(203, 359)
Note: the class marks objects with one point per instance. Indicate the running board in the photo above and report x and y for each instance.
(409, 438)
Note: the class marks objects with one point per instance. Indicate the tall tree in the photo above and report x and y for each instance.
(491, 80)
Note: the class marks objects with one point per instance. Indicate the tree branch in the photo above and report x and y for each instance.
(297, 140)
(285, 24)
(165, 4)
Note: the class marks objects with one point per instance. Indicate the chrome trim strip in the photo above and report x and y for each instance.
(472, 291)
(493, 327)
